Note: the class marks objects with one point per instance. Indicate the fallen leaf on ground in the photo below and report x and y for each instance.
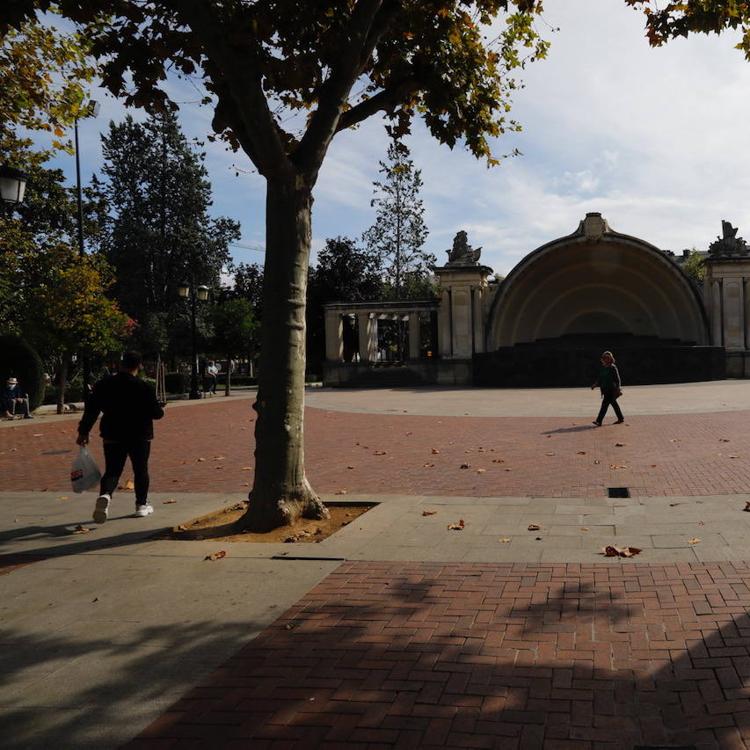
(597, 461)
(182, 527)
(216, 555)
(723, 440)
(408, 433)
(63, 497)
(456, 526)
(538, 538)
(38, 434)
(672, 505)
(429, 512)
(481, 471)
(465, 466)
(246, 468)
(169, 502)
(534, 527)
(653, 466)
(619, 445)
(550, 453)
(584, 528)
(507, 469)
(129, 485)
(218, 458)
(498, 460)
(200, 459)
(341, 492)
(733, 455)
(674, 440)
(611, 551)
(81, 529)
(428, 466)
(435, 451)
(580, 453)
(349, 467)
(380, 453)
(747, 506)
(617, 466)
(504, 540)
(694, 540)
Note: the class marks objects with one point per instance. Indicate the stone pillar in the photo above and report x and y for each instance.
(365, 323)
(461, 315)
(415, 339)
(478, 320)
(334, 336)
(372, 346)
(444, 325)
(715, 308)
(731, 298)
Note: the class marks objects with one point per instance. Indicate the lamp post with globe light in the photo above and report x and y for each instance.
(188, 290)
(12, 185)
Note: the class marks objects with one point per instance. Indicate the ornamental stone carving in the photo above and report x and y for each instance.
(729, 244)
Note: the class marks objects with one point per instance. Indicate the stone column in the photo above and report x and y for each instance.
(478, 320)
(731, 299)
(444, 325)
(334, 336)
(368, 337)
(461, 312)
(716, 339)
(414, 336)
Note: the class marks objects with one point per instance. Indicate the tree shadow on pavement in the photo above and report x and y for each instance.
(488, 655)
(51, 697)
(576, 428)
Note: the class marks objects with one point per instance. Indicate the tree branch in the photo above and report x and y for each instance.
(369, 20)
(241, 79)
(385, 101)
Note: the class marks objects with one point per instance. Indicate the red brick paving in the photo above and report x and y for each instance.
(556, 457)
(405, 655)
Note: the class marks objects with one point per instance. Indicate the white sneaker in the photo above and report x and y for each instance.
(101, 509)
(143, 510)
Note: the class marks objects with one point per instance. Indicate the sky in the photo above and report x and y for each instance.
(654, 139)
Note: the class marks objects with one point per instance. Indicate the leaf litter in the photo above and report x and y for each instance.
(612, 551)
(456, 526)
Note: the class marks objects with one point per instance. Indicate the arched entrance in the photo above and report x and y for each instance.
(595, 289)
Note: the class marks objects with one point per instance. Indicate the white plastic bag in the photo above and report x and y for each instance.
(84, 473)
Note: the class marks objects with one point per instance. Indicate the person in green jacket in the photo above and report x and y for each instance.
(609, 384)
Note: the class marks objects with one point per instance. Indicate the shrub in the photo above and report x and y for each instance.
(19, 360)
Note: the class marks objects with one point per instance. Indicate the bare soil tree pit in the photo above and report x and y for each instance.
(221, 525)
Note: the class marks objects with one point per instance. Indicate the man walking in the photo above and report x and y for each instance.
(128, 406)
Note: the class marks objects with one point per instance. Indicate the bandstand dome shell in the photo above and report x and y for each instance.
(596, 281)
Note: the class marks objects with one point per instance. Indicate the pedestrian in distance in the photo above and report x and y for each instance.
(128, 406)
(610, 386)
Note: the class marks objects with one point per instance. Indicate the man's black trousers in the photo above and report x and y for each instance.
(115, 454)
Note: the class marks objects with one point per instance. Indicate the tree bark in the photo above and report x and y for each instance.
(228, 384)
(281, 493)
(62, 382)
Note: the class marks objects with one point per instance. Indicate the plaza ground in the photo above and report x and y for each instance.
(395, 632)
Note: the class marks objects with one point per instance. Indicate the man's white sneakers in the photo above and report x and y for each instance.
(144, 510)
(101, 509)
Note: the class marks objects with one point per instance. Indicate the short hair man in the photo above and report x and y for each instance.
(129, 407)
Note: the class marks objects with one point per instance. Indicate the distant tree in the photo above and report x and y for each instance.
(248, 284)
(156, 229)
(398, 235)
(234, 327)
(344, 272)
(695, 266)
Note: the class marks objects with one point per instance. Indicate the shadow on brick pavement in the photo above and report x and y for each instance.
(487, 655)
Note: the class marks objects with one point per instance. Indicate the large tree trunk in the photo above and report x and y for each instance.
(281, 493)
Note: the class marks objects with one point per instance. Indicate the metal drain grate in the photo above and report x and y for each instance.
(618, 492)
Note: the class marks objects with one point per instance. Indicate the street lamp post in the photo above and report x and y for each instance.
(91, 111)
(189, 291)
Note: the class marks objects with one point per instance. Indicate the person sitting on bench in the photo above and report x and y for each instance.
(12, 397)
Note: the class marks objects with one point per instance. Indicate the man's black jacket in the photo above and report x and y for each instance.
(128, 406)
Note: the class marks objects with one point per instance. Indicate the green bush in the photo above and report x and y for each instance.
(73, 392)
(19, 360)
